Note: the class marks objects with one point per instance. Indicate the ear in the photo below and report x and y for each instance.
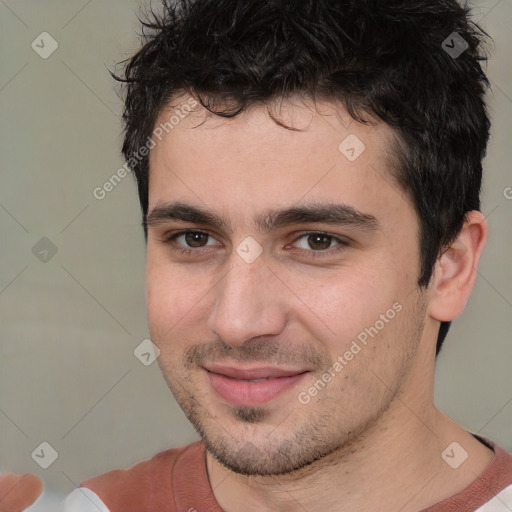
(456, 269)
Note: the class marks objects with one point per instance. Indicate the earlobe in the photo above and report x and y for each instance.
(456, 269)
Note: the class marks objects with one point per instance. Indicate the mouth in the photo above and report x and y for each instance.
(251, 386)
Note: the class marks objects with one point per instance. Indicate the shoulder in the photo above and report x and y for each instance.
(498, 474)
(146, 485)
(496, 482)
(490, 492)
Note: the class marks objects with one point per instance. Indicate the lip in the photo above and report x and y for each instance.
(234, 386)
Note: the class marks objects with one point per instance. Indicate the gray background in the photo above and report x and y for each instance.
(69, 325)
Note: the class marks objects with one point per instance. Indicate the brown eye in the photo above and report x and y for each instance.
(194, 239)
(190, 240)
(319, 242)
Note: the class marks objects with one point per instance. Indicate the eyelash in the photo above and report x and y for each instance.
(342, 243)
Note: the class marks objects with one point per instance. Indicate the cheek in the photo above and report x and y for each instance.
(165, 302)
(345, 303)
(176, 302)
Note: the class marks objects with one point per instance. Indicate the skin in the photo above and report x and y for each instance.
(372, 438)
(18, 492)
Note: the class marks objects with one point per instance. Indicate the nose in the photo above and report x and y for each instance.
(249, 302)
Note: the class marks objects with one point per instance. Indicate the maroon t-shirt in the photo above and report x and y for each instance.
(176, 481)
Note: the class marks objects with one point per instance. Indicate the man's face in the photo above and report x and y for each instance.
(284, 333)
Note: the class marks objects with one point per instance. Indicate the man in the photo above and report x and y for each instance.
(309, 175)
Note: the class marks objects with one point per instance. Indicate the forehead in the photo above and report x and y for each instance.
(252, 162)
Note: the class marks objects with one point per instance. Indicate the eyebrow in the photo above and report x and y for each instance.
(326, 213)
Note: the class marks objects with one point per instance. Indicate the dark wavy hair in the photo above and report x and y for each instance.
(382, 58)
